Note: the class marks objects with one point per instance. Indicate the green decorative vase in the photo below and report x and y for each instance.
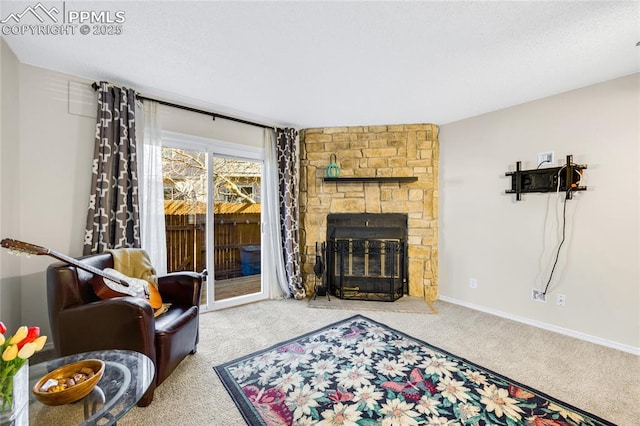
(333, 170)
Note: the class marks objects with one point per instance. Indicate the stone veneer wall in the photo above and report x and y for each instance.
(373, 151)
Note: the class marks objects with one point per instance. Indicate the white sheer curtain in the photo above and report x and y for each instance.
(274, 267)
(151, 188)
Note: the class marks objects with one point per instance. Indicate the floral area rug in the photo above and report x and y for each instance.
(361, 372)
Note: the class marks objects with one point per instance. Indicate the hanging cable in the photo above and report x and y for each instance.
(564, 227)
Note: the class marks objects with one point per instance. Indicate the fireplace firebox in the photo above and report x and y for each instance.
(366, 256)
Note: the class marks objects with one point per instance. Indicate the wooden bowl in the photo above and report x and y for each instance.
(72, 393)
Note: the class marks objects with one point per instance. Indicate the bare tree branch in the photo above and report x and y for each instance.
(184, 170)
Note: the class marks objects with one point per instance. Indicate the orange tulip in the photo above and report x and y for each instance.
(10, 353)
(20, 334)
(27, 350)
(40, 341)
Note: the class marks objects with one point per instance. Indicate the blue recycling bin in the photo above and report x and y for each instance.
(250, 260)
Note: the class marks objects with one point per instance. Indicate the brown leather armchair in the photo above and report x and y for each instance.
(82, 322)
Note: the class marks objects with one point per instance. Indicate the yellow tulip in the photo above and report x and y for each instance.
(1, 339)
(10, 353)
(27, 350)
(20, 334)
(40, 341)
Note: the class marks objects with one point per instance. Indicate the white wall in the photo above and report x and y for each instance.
(10, 289)
(56, 150)
(46, 170)
(508, 246)
(203, 126)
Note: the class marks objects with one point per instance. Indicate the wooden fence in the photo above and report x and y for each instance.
(186, 241)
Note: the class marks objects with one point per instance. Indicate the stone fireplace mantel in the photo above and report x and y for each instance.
(402, 161)
(381, 179)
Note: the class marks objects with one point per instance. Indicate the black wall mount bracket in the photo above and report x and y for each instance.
(565, 178)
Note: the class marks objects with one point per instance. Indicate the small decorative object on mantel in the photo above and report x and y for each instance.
(14, 372)
(333, 170)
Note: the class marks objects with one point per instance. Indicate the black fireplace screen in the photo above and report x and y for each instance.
(366, 256)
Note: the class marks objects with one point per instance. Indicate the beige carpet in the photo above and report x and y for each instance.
(600, 380)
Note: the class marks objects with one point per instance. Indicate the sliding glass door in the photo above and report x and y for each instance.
(237, 237)
(184, 174)
(213, 220)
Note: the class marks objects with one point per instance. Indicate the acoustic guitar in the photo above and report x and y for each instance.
(106, 283)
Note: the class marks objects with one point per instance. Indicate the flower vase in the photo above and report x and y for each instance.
(14, 398)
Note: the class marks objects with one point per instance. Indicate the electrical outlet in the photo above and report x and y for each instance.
(473, 283)
(539, 296)
(561, 299)
(545, 158)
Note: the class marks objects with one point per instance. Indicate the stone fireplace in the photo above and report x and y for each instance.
(389, 170)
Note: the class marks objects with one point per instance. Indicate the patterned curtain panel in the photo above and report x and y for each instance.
(113, 219)
(288, 178)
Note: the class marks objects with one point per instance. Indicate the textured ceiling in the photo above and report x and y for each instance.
(318, 64)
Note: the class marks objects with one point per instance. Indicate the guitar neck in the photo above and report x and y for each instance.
(84, 266)
(23, 247)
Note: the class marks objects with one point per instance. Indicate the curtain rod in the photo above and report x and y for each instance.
(214, 115)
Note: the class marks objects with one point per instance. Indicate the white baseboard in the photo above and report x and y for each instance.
(545, 326)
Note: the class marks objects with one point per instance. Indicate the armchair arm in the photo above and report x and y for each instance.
(118, 323)
(182, 288)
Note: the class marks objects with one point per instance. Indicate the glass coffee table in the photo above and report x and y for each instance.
(127, 375)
